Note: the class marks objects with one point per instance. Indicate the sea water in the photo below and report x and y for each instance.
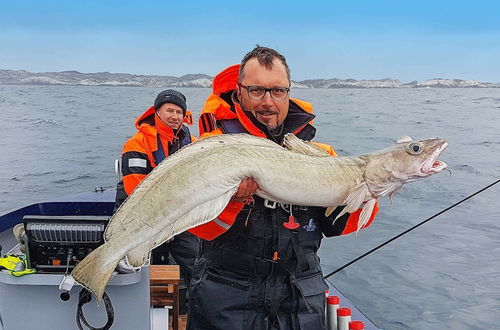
(59, 140)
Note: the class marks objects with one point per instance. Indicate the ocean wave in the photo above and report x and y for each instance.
(70, 180)
(466, 168)
(39, 174)
(45, 122)
(487, 98)
(483, 143)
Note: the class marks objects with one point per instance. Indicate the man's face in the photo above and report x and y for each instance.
(171, 115)
(267, 111)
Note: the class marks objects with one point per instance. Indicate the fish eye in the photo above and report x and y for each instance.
(414, 148)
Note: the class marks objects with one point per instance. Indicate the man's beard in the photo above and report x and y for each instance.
(274, 129)
(270, 127)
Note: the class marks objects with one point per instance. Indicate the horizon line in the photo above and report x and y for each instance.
(212, 76)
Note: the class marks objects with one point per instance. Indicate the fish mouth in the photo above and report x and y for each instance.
(432, 164)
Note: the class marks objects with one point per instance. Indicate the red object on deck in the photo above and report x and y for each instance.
(344, 311)
(333, 300)
(356, 325)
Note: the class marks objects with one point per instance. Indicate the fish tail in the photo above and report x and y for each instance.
(95, 270)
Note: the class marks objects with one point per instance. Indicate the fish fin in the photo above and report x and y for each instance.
(391, 194)
(139, 256)
(202, 213)
(85, 272)
(344, 211)
(329, 210)
(366, 213)
(124, 267)
(240, 138)
(295, 144)
(355, 198)
(217, 141)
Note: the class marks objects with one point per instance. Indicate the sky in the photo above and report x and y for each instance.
(405, 40)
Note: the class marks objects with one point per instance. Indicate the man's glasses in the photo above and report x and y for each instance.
(257, 93)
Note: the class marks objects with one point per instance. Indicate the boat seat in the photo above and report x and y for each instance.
(164, 285)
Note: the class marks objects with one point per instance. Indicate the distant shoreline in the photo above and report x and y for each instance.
(294, 87)
(75, 78)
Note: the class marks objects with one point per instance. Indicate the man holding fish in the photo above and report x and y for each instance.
(258, 267)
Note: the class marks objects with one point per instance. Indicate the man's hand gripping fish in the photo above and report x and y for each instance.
(172, 199)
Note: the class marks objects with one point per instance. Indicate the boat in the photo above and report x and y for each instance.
(37, 301)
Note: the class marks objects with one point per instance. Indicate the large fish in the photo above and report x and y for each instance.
(195, 184)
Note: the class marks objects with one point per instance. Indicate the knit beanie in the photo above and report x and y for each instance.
(171, 96)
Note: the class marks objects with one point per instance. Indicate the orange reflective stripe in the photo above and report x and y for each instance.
(207, 231)
(213, 229)
(352, 223)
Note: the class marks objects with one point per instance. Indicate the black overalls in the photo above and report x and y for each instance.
(260, 274)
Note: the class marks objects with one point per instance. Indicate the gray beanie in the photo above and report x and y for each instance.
(171, 96)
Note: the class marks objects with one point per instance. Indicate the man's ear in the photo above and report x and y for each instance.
(238, 93)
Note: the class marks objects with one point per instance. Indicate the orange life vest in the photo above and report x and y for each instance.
(144, 144)
(218, 107)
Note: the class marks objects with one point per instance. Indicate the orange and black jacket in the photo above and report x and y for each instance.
(153, 142)
(222, 114)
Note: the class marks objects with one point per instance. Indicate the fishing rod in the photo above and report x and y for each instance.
(410, 229)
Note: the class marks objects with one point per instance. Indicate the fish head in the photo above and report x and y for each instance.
(408, 160)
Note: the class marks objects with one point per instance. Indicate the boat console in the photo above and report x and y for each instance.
(57, 234)
(58, 243)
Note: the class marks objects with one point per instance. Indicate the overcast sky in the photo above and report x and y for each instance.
(406, 40)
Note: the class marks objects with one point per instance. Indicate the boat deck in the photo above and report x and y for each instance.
(101, 203)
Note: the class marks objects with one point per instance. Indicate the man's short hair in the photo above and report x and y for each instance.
(265, 56)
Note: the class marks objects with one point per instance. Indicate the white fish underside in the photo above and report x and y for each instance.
(194, 185)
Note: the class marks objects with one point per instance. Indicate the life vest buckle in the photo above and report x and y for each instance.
(270, 204)
(286, 207)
